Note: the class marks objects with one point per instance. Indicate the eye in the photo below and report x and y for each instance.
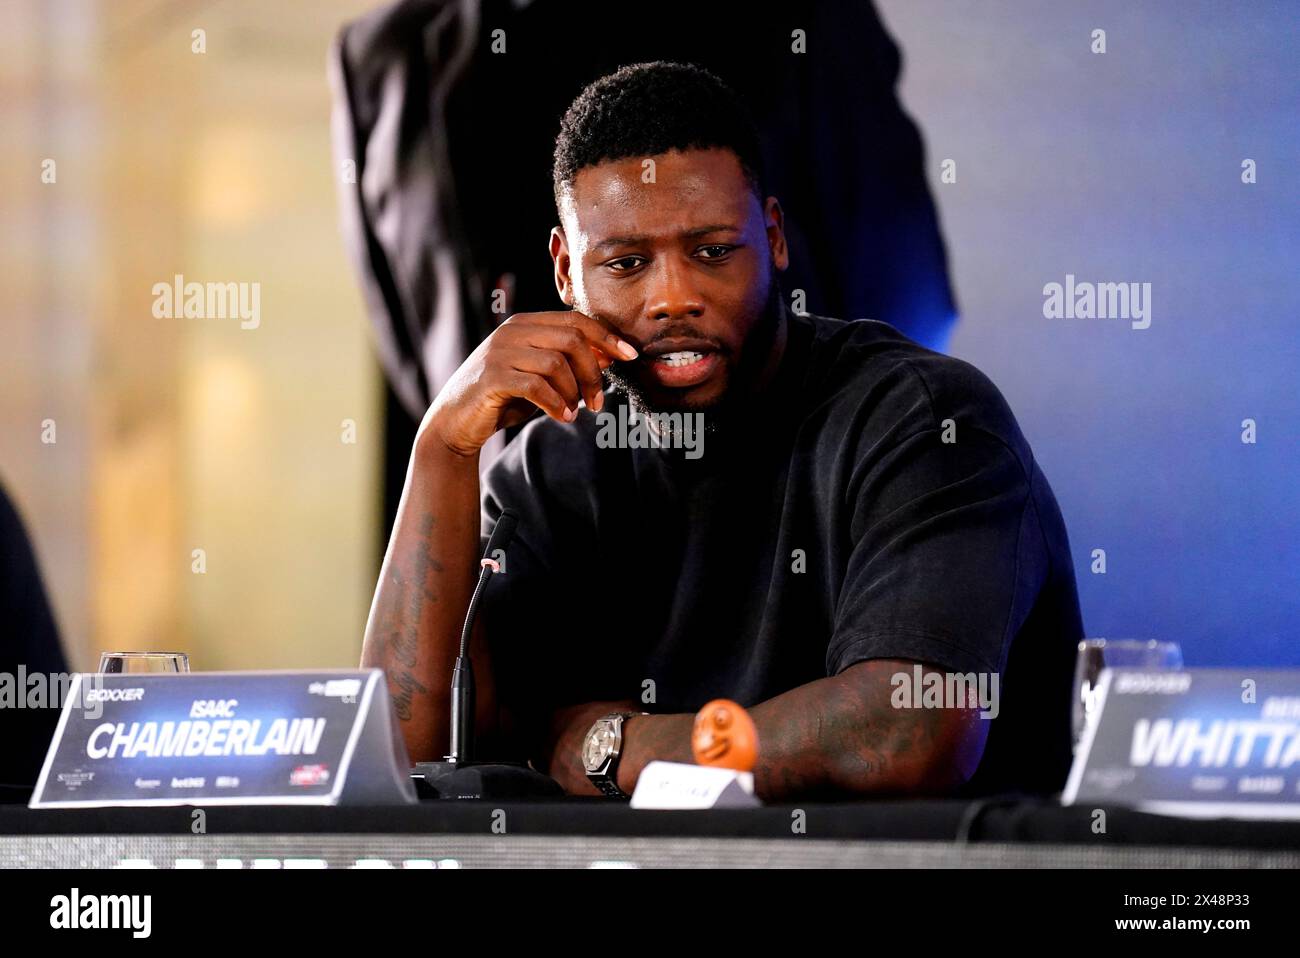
(718, 250)
(624, 263)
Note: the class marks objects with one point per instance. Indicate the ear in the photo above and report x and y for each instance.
(562, 263)
(774, 222)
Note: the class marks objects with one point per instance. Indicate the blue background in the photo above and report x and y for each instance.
(1126, 167)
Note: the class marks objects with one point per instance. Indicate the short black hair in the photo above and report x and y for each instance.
(645, 109)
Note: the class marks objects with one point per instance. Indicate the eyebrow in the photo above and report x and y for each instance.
(689, 234)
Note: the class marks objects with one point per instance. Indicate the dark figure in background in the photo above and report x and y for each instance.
(448, 111)
(28, 638)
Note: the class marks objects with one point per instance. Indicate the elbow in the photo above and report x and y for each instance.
(934, 754)
(915, 777)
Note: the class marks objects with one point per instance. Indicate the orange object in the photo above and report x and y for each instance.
(724, 737)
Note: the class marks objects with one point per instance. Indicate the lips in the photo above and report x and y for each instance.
(681, 363)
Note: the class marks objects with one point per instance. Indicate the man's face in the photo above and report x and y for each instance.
(681, 267)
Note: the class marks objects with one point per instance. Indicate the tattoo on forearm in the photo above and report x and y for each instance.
(839, 735)
(404, 686)
(412, 591)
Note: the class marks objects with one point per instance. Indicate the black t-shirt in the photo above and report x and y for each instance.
(880, 502)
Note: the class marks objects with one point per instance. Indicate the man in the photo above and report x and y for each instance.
(427, 92)
(862, 519)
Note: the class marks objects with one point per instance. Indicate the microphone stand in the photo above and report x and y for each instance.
(458, 775)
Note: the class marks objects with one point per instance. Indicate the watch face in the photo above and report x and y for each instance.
(598, 746)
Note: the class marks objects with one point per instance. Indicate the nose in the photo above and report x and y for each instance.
(672, 294)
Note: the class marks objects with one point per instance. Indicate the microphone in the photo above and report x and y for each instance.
(458, 775)
(462, 677)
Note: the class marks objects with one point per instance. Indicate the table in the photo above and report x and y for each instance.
(1010, 832)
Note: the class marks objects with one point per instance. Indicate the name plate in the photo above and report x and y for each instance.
(226, 738)
(1200, 743)
(665, 785)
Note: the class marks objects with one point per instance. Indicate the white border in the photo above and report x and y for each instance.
(1072, 784)
(54, 742)
(1246, 810)
(37, 801)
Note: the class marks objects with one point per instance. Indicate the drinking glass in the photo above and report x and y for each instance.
(1098, 654)
(117, 663)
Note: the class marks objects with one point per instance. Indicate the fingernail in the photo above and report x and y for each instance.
(570, 415)
(598, 402)
(625, 350)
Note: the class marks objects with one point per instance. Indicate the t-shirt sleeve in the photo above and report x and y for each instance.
(941, 566)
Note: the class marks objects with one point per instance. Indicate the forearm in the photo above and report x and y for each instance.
(424, 589)
(838, 735)
(548, 361)
(842, 734)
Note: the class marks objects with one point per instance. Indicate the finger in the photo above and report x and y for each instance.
(609, 341)
(576, 347)
(597, 332)
(552, 365)
(538, 391)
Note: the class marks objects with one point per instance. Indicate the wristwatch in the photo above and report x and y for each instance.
(601, 750)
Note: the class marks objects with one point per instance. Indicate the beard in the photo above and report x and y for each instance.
(742, 378)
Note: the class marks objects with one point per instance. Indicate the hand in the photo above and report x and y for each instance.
(546, 361)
